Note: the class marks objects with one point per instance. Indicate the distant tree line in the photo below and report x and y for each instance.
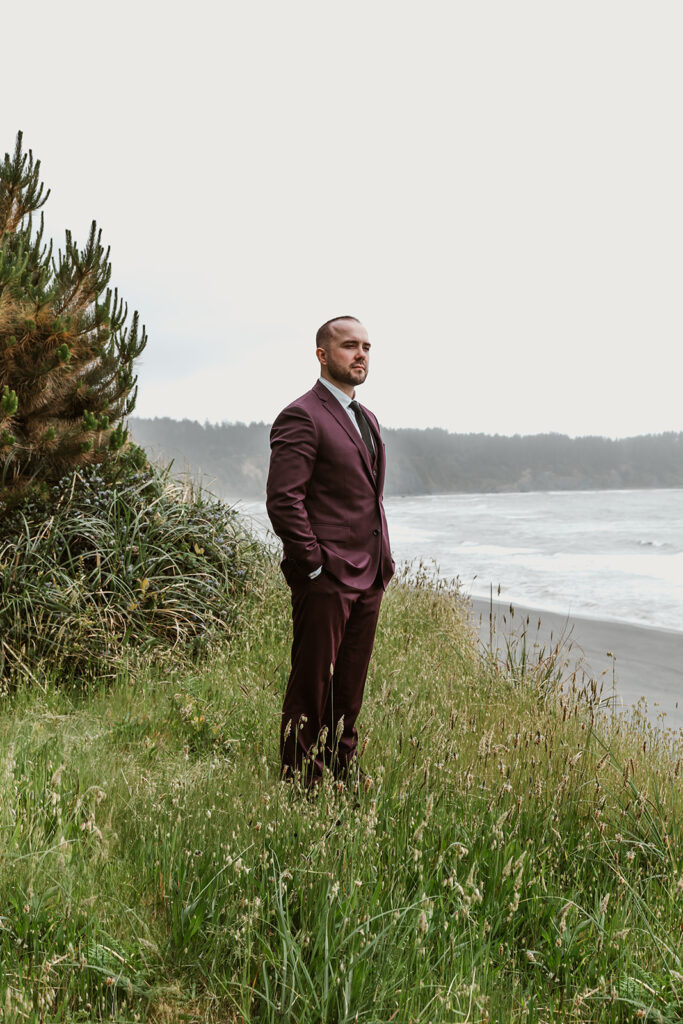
(232, 458)
(435, 461)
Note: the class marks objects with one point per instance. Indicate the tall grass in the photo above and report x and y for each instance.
(116, 560)
(513, 855)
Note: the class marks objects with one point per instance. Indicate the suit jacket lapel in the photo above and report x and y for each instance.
(342, 418)
(379, 449)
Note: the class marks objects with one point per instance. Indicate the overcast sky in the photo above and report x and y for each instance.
(495, 187)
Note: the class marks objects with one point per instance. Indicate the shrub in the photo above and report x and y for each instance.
(114, 556)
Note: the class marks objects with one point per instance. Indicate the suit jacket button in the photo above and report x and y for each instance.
(375, 533)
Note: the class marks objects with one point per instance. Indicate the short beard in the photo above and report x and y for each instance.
(346, 376)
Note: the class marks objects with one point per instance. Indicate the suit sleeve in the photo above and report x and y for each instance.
(293, 448)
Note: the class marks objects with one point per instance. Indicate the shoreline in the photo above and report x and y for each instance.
(647, 661)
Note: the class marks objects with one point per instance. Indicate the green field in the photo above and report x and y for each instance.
(514, 855)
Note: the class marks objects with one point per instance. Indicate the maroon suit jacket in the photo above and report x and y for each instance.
(323, 497)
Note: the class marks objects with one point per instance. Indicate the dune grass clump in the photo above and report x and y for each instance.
(513, 855)
(113, 558)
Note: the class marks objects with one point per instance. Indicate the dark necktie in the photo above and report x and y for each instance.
(363, 427)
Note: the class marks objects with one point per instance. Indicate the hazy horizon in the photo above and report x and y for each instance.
(493, 188)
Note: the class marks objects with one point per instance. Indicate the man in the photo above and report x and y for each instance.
(324, 499)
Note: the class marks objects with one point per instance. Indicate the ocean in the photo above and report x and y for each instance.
(615, 555)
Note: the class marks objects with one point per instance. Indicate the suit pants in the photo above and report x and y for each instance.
(333, 635)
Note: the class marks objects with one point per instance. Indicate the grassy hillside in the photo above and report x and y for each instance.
(515, 856)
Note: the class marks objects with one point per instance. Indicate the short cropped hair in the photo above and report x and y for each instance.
(324, 334)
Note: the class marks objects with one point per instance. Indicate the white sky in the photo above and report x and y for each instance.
(495, 187)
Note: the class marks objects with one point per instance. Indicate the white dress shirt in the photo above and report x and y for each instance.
(343, 400)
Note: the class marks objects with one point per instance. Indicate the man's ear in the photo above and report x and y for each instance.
(322, 356)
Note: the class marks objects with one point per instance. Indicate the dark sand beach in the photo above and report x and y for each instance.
(646, 662)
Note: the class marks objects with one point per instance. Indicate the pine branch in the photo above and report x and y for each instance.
(66, 354)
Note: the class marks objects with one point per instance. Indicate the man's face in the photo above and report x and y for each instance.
(346, 358)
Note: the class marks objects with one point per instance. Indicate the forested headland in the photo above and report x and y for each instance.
(233, 458)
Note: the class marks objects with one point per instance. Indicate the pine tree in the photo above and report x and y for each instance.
(66, 356)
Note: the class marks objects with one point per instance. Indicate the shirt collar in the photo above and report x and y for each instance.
(340, 395)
